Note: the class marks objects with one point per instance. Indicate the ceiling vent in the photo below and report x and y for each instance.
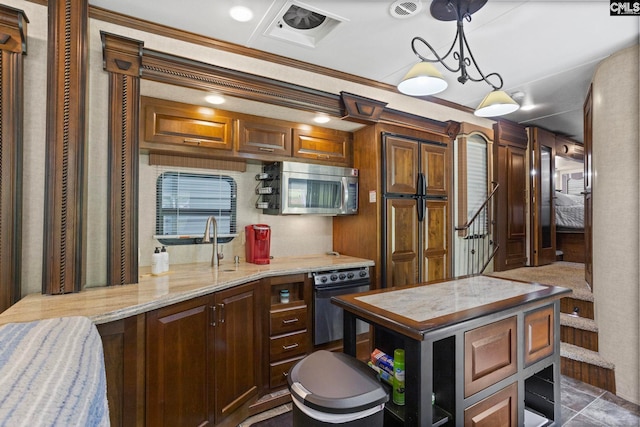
(301, 24)
(402, 9)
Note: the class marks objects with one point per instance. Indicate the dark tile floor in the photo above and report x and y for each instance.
(584, 405)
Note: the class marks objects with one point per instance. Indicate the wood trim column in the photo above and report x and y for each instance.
(123, 60)
(64, 254)
(13, 45)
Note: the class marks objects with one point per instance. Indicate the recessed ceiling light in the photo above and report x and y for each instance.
(214, 99)
(321, 118)
(241, 13)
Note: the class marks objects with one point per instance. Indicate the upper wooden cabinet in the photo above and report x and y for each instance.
(191, 130)
(328, 145)
(264, 136)
(172, 123)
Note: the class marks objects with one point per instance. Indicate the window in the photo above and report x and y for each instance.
(472, 184)
(184, 201)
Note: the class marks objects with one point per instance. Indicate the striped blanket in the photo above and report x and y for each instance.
(52, 374)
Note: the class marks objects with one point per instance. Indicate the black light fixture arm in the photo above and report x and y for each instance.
(463, 60)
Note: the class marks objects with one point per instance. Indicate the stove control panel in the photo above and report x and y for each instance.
(340, 276)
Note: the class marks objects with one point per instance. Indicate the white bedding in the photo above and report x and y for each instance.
(52, 374)
(569, 211)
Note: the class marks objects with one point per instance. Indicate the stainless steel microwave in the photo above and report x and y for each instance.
(300, 188)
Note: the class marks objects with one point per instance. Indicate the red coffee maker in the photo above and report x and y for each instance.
(258, 242)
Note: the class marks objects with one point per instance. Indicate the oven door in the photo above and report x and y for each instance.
(328, 325)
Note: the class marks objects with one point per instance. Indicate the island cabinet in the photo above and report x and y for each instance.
(287, 326)
(479, 351)
(202, 358)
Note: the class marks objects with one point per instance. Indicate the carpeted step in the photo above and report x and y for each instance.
(587, 366)
(579, 331)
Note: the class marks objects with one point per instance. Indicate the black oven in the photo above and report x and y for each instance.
(327, 317)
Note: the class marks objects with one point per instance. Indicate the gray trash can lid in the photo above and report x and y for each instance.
(335, 383)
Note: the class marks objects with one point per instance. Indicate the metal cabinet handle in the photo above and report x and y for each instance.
(267, 149)
(212, 322)
(290, 347)
(221, 317)
(288, 321)
(192, 141)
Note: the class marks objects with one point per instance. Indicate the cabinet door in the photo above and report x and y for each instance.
(123, 344)
(498, 410)
(331, 146)
(402, 157)
(435, 167)
(435, 241)
(177, 124)
(236, 348)
(263, 138)
(402, 240)
(179, 353)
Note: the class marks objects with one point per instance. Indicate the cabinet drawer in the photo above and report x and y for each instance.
(278, 371)
(283, 321)
(489, 354)
(538, 333)
(287, 346)
(499, 409)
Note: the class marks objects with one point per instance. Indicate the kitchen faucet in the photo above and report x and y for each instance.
(215, 256)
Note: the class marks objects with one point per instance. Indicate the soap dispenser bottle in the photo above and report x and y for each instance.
(156, 262)
(165, 259)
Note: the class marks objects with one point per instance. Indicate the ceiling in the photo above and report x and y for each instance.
(547, 50)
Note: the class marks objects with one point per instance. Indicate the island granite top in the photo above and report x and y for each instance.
(418, 309)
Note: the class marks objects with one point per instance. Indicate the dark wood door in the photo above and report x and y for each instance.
(236, 348)
(543, 225)
(435, 168)
(588, 230)
(402, 247)
(179, 356)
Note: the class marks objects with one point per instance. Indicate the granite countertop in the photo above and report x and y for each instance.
(182, 282)
(416, 310)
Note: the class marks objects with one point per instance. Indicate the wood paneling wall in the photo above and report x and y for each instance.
(13, 45)
(64, 253)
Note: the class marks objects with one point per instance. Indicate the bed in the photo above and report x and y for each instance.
(570, 226)
(52, 374)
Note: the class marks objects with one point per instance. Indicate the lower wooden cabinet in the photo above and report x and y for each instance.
(498, 410)
(538, 335)
(200, 358)
(123, 345)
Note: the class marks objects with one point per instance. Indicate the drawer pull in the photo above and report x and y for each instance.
(289, 321)
(267, 149)
(290, 347)
(192, 141)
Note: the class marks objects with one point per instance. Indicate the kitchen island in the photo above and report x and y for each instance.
(487, 349)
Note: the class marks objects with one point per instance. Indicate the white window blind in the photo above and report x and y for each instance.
(476, 176)
(184, 201)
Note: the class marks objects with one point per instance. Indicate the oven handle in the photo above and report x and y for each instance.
(331, 291)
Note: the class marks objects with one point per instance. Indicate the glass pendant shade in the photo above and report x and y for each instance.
(421, 80)
(496, 103)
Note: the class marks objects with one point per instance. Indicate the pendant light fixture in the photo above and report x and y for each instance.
(424, 79)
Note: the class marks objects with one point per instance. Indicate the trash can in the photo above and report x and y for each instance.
(335, 389)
